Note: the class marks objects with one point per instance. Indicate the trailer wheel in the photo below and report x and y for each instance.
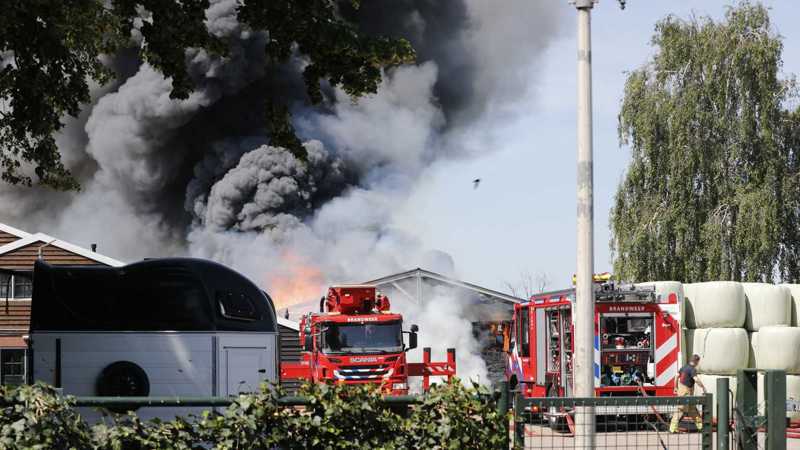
(123, 379)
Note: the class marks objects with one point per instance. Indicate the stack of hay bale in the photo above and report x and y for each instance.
(775, 341)
(734, 326)
(715, 314)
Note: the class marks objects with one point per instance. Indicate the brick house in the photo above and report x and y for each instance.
(18, 252)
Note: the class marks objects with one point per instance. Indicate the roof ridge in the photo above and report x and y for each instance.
(64, 245)
(13, 231)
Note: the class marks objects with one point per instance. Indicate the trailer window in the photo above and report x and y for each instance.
(362, 338)
(105, 300)
(236, 306)
(524, 336)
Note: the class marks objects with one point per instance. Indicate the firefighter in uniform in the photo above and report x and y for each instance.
(687, 377)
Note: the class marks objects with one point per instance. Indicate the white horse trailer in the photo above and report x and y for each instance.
(160, 327)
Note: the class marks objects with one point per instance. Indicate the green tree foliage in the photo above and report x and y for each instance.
(50, 51)
(712, 191)
(35, 417)
(337, 417)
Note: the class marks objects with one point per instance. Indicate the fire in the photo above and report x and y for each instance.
(297, 282)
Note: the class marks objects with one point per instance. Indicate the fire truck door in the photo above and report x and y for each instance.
(565, 332)
(541, 346)
(562, 365)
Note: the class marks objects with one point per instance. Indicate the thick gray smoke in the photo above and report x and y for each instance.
(196, 177)
(268, 188)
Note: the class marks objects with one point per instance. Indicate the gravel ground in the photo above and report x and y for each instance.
(542, 437)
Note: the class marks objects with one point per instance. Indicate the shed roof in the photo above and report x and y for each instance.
(289, 323)
(427, 274)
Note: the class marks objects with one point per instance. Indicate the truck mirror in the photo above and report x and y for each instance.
(414, 328)
(412, 339)
(308, 343)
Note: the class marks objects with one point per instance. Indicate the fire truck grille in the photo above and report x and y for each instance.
(363, 372)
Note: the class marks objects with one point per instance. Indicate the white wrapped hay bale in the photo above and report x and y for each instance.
(714, 304)
(794, 291)
(722, 351)
(710, 382)
(779, 348)
(766, 305)
(753, 338)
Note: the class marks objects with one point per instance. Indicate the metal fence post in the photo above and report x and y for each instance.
(708, 433)
(502, 410)
(519, 422)
(723, 420)
(746, 409)
(775, 409)
(502, 403)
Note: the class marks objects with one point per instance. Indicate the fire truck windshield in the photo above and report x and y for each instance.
(362, 338)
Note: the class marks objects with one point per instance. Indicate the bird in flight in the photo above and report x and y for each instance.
(475, 183)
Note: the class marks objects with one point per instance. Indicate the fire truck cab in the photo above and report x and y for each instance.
(636, 342)
(355, 339)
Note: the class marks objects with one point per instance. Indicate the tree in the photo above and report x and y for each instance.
(528, 284)
(712, 188)
(50, 50)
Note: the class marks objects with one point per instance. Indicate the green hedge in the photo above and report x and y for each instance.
(340, 417)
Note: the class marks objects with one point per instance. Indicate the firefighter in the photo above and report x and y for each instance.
(687, 377)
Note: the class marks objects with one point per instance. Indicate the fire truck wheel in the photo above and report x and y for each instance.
(123, 379)
(557, 422)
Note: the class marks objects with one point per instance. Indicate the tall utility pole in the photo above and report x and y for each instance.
(583, 362)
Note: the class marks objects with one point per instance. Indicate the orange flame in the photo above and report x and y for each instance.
(298, 282)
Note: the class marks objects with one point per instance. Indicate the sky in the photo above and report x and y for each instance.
(521, 218)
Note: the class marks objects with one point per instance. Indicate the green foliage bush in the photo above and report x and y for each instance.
(451, 416)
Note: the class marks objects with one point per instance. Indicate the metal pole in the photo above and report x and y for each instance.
(708, 434)
(519, 422)
(775, 395)
(723, 419)
(502, 411)
(584, 294)
(746, 408)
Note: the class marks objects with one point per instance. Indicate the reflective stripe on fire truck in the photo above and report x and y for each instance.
(664, 349)
(667, 361)
(667, 351)
(596, 359)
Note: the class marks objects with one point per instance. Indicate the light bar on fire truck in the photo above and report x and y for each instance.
(612, 292)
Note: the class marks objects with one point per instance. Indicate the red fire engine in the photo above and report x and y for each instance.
(636, 345)
(355, 339)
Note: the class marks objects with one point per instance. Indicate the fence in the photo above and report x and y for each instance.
(181, 402)
(622, 422)
(755, 425)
